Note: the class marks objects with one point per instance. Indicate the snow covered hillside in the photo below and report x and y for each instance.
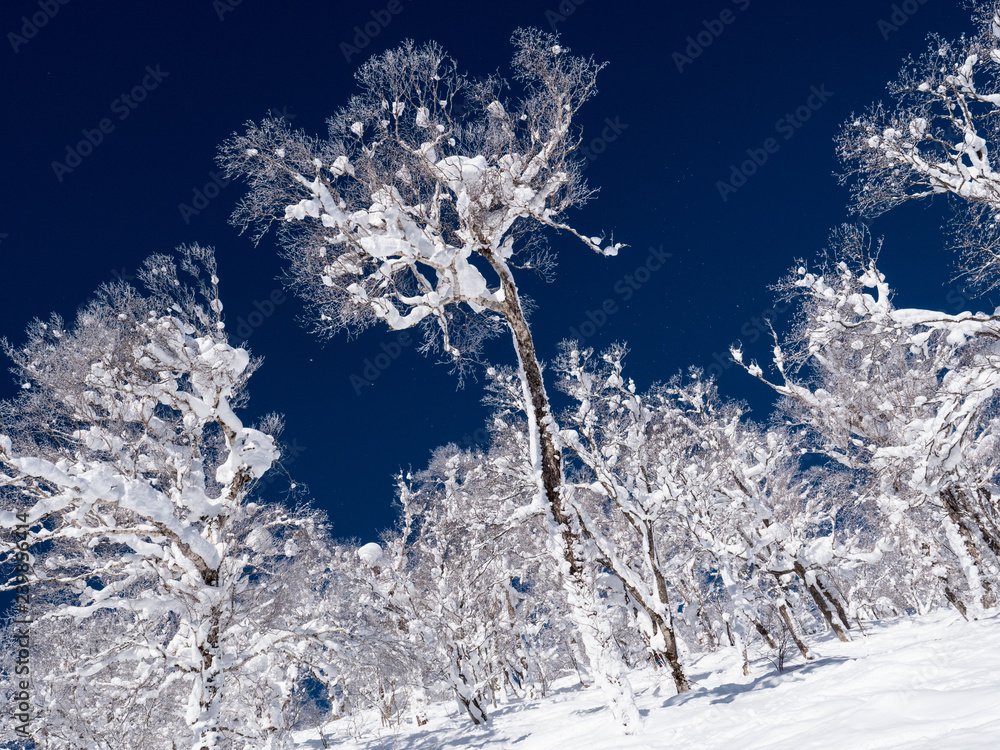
(914, 683)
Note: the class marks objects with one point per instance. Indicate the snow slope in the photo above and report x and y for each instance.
(914, 683)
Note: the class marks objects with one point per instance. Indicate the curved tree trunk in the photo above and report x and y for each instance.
(786, 617)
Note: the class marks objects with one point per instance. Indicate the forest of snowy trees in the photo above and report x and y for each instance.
(166, 606)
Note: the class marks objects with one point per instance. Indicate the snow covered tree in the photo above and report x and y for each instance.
(611, 438)
(118, 706)
(453, 580)
(906, 395)
(411, 215)
(376, 672)
(162, 589)
(688, 491)
(940, 137)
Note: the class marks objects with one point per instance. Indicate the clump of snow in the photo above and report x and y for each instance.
(370, 554)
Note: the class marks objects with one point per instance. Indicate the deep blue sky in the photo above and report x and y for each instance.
(676, 134)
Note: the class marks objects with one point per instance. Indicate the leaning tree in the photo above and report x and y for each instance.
(429, 193)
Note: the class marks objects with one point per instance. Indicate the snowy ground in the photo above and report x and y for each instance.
(914, 683)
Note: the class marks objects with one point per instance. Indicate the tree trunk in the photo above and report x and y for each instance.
(790, 626)
(956, 602)
(549, 453)
(210, 677)
(989, 520)
(759, 627)
(821, 603)
(605, 659)
(661, 626)
(465, 693)
(837, 603)
(660, 622)
(965, 519)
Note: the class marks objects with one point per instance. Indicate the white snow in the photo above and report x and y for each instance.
(370, 554)
(925, 683)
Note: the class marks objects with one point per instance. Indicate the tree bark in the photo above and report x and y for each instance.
(606, 664)
(956, 503)
(837, 603)
(660, 625)
(759, 627)
(210, 675)
(956, 602)
(821, 603)
(468, 699)
(666, 628)
(790, 626)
